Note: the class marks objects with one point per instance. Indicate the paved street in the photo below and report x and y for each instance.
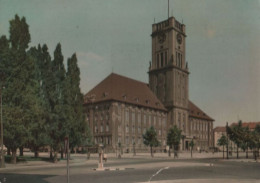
(136, 169)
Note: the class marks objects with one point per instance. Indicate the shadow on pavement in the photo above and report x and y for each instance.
(23, 178)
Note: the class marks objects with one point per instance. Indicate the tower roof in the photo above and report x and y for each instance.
(123, 89)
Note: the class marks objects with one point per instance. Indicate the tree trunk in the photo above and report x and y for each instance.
(62, 153)
(21, 151)
(151, 151)
(8, 151)
(237, 152)
(191, 153)
(55, 158)
(223, 152)
(169, 152)
(36, 152)
(246, 151)
(13, 158)
(51, 155)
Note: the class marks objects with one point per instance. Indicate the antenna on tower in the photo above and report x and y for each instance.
(168, 8)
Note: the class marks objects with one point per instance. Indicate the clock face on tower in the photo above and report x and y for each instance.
(179, 38)
(161, 37)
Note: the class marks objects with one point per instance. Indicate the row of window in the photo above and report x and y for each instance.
(104, 140)
(149, 117)
(161, 59)
(199, 126)
(101, 128)
(179, 59)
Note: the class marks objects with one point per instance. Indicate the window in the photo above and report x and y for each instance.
(96, 128)
(133, 129)
(133, 140)
(119, 128)
(133, 117)
(157, 60)
(101, 128)
(144, 120)
(179, 120)
(126, 140)
(154, 121)
(107, 127)
(160, 133)
(161, 59)
(166, 58)
(139, 140)
(181, 60)
(144, 130)
(139, 129)
(127, 116)
(139, 118)
(127, 128)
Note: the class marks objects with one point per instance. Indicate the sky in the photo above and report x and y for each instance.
(222, 44)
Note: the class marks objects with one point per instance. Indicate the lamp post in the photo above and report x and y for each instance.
(2, 132)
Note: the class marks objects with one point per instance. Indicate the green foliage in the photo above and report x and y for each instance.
(192, 144)
(222, 141)
(42, 102)
(79, 133)
(150, 138)
(174, 137)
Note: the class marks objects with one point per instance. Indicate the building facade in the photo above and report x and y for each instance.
(120, 110)
(133, 106)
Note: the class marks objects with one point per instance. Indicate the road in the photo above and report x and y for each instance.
(143, 170)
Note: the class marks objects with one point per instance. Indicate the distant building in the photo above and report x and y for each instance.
(221, 130)
(120, 109)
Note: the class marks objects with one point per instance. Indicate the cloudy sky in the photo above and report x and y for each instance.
(223, 41)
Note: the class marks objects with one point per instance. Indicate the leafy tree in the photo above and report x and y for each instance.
(173, 138)
(19, 86)
(191, 144)
(78, 131)
(235, 134)
(257, 137)
(222, 142)
(150, 139)
(58, 128)
(38, 127)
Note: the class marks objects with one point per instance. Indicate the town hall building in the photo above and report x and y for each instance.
(120, 109)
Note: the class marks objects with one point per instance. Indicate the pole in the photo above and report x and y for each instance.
(227, 139)
(68, 161)
(2, 134)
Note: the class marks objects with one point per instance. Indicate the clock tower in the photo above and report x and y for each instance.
(168, 71)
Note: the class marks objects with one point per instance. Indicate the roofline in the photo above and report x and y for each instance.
(107, 100)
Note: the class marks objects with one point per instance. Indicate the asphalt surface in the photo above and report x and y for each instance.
(142, 170)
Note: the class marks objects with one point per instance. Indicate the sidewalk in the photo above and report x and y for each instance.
(81, 159)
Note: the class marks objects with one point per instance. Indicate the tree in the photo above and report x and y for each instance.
(191, 144)
(78, 131)
(257, 136)
(19, 87)
(173, 138)
(235, 134)
(222, 142)
(38, 126)
(58, 126)
(150, 139)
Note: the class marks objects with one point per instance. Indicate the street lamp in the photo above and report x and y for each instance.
(2, 132)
